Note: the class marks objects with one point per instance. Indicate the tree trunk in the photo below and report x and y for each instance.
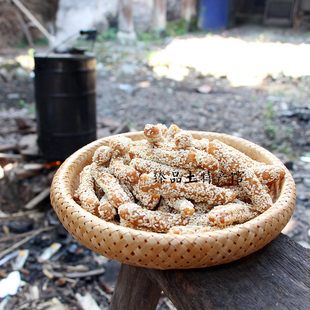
(159, 16)
(126, 33)
(189, 10)
(125, 17)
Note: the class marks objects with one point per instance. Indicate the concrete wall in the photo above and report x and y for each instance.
(74, 15)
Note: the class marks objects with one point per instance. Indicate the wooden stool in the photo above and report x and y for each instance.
(275, 277)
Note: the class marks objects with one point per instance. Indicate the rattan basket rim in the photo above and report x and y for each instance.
(281, 210)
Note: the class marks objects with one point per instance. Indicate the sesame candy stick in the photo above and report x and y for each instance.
(124, 172)
(102, 155)
(182, 205)
(187, 159)
(148, 200)
(105, 209)
(86, 191)
(153, 134)
(111, 186)
(157, 220)
(233, 213)
(230, 160)
(195, 191)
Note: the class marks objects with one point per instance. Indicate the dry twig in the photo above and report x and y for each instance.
(26, 239)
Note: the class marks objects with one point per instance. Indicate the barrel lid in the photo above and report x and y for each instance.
(64, 55)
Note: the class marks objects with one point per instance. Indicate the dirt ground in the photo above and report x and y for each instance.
(134, 89)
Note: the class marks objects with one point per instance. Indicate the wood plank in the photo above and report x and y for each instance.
(11, 156)
(8, 147)
(276, 277)
(37, 199)
(33, 19)
(24, 28)
(134, 290)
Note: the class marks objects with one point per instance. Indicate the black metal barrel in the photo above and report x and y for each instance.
(65, 94)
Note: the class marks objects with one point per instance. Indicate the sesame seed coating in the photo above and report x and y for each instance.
(170, 182)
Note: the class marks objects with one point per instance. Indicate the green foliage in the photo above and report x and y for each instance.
(146, 37)
(107, 35)
(21, 44)
(177, 28)
(149, 38)
(279, 135)
(31, 52)
(162, 120)
(39, 42)
(285, 149)
(29, 107)
(151, 54)
(270, 129)
(269, 110)
(43, 41)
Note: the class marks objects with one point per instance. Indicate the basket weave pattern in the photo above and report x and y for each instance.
(165, 251)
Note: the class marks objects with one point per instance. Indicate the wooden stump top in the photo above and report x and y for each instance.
(275, 277)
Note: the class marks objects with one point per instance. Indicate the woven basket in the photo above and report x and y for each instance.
(165, 251)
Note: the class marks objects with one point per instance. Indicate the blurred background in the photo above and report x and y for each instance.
(90, 69)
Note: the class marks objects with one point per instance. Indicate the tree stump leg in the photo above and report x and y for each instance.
(275, 277)
(134, 290)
